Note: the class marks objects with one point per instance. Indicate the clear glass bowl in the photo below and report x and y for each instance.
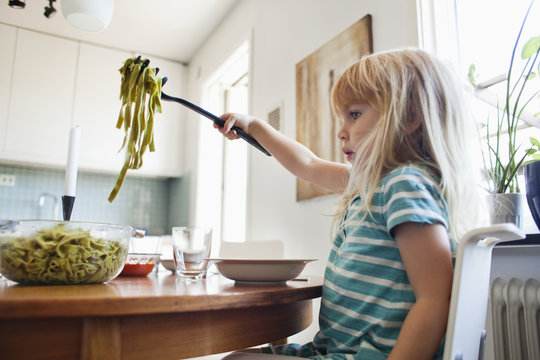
(46, 252)
(140, 264)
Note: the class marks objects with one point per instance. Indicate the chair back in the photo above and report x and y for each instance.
(465, 333)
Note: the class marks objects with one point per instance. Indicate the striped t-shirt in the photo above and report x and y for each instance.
(366, 293)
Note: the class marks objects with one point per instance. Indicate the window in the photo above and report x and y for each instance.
(235, 168)
(487, 41)
(480, 31)
(483, 33)
(223, 165)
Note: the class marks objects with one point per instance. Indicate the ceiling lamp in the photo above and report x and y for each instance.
(17, 4)
(49, 10)
(88, 15)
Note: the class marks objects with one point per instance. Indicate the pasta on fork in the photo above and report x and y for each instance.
(140, 93)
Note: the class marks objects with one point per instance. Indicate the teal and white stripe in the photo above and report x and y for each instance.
(366, 292)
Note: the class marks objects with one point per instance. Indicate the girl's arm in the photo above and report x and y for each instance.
(427, 257)
(295, 157)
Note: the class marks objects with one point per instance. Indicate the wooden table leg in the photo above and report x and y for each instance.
(101, 339)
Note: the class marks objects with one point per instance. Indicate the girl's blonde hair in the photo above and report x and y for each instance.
(423, 120)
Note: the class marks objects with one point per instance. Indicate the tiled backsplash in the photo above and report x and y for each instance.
(155, 204)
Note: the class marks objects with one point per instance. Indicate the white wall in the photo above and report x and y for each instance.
(284, 32)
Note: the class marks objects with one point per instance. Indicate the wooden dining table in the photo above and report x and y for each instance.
(161, 316)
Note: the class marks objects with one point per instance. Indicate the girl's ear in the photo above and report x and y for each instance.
(413, 125)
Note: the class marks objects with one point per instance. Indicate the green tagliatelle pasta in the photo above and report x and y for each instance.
(140, 93)
(61, 256)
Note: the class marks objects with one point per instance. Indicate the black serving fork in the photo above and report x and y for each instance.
(241, 133)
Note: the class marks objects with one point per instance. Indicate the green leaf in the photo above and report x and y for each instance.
(531, 47)
(534, 142)
(472, 74)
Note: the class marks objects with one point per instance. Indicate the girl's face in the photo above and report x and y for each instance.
(358, 121)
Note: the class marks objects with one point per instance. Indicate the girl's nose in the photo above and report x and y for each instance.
(342, 134)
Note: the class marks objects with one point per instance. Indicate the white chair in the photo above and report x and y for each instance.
(465, 333)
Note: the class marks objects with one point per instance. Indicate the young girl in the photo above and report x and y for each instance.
(409, 194)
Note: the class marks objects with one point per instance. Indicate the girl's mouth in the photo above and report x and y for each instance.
(348, 154)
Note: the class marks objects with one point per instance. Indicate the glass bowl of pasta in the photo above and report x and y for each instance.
(46, 252)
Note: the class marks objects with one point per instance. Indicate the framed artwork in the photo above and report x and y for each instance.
(316, 127)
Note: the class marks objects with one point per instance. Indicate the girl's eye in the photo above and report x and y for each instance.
(355, 114)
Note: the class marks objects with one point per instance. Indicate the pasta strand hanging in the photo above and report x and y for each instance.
(140, 94)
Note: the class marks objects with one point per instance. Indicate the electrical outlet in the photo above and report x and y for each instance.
(7, 180)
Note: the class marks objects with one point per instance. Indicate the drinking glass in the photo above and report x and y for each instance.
(191, 249)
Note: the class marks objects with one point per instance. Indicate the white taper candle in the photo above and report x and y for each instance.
(70, 182)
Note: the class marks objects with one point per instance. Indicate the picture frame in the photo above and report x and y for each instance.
(316, 126)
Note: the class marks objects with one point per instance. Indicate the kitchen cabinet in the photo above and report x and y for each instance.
(50, 84)
(8, 40)
(41, 98)
(96, 109)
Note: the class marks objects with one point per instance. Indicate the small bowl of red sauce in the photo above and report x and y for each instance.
(140, 264)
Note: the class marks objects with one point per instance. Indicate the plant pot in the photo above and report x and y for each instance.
(532, 186)
(507, 208)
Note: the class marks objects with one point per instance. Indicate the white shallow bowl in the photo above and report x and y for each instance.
(260, 272)
(168, 264)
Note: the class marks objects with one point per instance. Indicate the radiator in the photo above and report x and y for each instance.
(515, 316)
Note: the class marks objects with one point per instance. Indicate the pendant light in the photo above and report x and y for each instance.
(17, 4)
(88, 15)
(49, 10)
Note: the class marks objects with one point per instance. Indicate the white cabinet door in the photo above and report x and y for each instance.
(8, 36)
(169, 125)
(96, 107)
(41, 103)
(49, 84)
(96, 110)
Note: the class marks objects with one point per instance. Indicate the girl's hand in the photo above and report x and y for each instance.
(295, 157)
(239, 120)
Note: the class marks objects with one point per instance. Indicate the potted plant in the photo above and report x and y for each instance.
(505, 156)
